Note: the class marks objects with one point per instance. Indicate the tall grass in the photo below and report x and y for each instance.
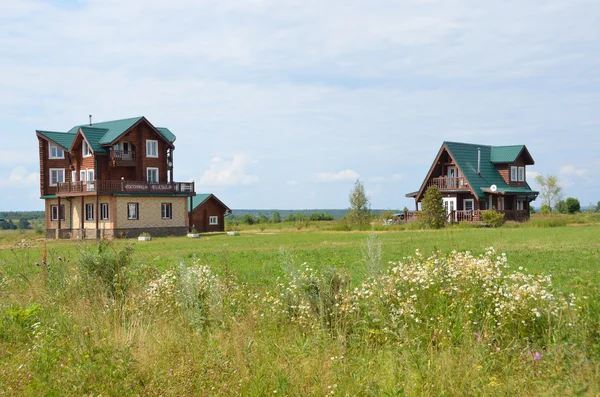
(450, 323)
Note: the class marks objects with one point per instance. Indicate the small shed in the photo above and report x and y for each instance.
(208, 213)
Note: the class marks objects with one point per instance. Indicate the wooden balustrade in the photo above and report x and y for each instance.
(447, 183)
(107, 187)
(122, 157)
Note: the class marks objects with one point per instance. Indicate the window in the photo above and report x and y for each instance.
(166, 211)
(57, 175)
(85, 149)
(213, 220)
(513, 174)
(151, 148)
(104, 211)
(54, 212)
(89, 212)
(520, 205)
(521, 172)
(468, 204)
(73, 176)
(133, 211)
(152, 174)
(90, 180)
(56, 152)
(82, 176)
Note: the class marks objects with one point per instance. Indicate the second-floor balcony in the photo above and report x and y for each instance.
(122, 157)
(66, 189)
(449, 183)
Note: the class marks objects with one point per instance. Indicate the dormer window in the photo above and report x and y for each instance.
(151, 148)
(517, 174)
(56, 152)
(85, 149)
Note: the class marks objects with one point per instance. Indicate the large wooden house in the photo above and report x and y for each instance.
(473, 178)
(111, 179)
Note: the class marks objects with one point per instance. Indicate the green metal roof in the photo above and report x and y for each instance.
(94, 135)
(465, 156)
(506, 154)
(165, 132)
(100, 134)
(198, 199)
(63, 139)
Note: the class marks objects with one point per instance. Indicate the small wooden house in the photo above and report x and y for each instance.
(473, 178)
(208, 213)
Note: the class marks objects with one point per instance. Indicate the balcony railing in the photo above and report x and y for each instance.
(122, 157)
(448, 183)
(102, 187)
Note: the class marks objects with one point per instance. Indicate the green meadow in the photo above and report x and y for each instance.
(302, 310)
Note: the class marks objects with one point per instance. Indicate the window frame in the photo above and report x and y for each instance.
(59, 212)
(521, 174)
(522, 205)
(56, 148)
(89, 212)
(84, 146)
(213, 220)
(514, 173)
(472, 201)
(152, 144)
(166, 210)
(156, 169)
(50, 171)
(104, 212)
(136, 215)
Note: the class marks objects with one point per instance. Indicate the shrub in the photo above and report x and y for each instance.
(433, 213)
(492, 218)
(105, 266)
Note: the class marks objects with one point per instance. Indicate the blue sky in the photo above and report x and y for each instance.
(283, 104)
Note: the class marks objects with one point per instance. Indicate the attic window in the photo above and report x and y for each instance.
(56, 152)
(517, 174)
(85, 149)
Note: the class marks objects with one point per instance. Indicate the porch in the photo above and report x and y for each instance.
(469, 216)
(449, 183)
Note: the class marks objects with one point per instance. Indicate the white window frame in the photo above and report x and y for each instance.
(521, 174)
(472, 205)
(73, 176)
(86, 151)
(514, 173)
(58, 171)
(82, 176)
(55, 212)
(153, 170)
(133, 211)
(213, 220)
(151, 148)
(55, 148)
(166, 210)
(104, 212)
(89, 212)
(520, 205)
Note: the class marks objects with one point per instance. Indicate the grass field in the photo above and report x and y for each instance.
(307, 312)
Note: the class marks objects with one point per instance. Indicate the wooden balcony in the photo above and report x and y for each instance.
(92, 188)
(119, 158)
(447, 183)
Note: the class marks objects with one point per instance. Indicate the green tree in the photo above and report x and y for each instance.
(23, 223)
(276, 217)
(550, 191)
(433, 213)
(561, 207)
(545, 209)
(248, 219)
(572, 205)
(360, 206)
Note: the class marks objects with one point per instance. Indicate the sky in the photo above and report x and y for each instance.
(283, 104)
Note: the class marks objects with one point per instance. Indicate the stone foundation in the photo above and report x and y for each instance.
(109, 234)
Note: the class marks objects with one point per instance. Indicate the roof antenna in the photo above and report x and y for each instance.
(478, 160)
(90, 120)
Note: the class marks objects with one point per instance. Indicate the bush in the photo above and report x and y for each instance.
(104, 266)
(492, 218)
(433, 213)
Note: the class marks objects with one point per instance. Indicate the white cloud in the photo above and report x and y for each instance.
(571, 170)
(20, 177)
(228, 172)
(344, 175)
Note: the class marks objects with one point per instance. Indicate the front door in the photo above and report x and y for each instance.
(450, 206)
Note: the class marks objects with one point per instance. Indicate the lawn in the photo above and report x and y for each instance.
(277, 312)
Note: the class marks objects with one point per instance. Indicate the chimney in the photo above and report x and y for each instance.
(90, 120)
(478, 160)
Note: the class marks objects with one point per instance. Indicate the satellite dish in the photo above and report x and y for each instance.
(493, 188)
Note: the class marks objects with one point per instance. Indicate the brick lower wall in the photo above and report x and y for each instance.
(115, 233)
